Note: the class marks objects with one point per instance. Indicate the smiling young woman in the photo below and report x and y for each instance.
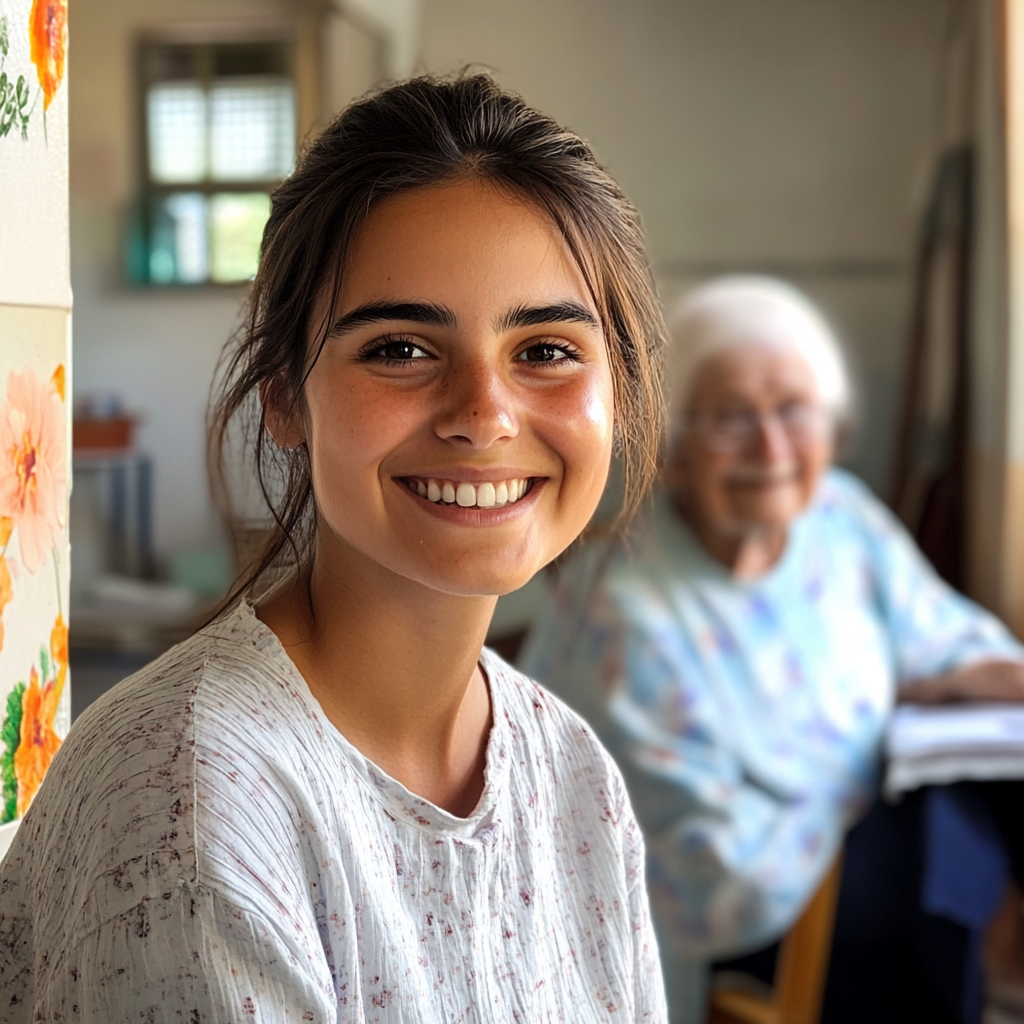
(332, 804)
(466, 359)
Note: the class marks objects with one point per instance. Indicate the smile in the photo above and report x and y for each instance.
(467, 495)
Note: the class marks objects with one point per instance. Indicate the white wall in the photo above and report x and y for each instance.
(792, 135)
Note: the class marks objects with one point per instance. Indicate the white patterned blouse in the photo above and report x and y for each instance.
(207, 847)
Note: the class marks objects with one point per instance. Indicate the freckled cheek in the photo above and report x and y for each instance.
(356, 428)
(713, 469)
(577, 423)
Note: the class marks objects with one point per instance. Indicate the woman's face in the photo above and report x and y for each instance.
(757, 440)
(459, 418)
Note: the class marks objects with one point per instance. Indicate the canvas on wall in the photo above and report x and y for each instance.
(34, 252)
(35, 428)
(34, 551)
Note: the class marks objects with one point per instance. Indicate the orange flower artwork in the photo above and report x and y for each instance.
(59, 381)
(6, 593)
(33, 465)
(48, 36)
(38, 742)
(6, 588)
(59, 652)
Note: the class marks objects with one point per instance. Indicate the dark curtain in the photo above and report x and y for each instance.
(929, 490)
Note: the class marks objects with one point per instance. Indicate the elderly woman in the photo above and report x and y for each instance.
(740, 655)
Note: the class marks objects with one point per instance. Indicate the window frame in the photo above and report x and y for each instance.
(204, 40)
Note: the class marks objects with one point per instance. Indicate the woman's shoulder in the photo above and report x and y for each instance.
(554, 749)
(843, 494)
(215, 683)
(849, 510)
(123, 798)
(141, 726)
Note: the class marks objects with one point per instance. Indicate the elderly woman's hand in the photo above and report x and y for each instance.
(996, 681)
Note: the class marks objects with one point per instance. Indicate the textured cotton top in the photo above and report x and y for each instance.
(207, 847)
(748, 716)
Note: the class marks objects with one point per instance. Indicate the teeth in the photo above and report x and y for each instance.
(485, 495)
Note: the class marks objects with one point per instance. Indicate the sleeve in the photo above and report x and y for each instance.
(191, 956)
(729, 862)
(932, 628)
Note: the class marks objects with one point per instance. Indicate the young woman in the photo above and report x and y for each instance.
(331, 804)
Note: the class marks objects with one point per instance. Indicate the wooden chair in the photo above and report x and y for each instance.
(799, 987)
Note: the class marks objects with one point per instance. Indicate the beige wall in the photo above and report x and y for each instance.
(792, 135)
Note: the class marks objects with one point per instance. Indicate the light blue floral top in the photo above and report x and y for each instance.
(747, 716)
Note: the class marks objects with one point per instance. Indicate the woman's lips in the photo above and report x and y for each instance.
(486, 494)
(762, 476)
(476, 514)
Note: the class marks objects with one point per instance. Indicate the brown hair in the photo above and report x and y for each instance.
(419, 133)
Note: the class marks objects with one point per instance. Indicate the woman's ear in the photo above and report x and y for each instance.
(280, 415)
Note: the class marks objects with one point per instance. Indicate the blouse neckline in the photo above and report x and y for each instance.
(397, 800)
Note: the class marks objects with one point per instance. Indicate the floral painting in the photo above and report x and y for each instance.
(34, 243)
(47, 34)
(34, 486)
(33, 510)
(35, 382)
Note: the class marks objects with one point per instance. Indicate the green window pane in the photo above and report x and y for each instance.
(178, 239)
(236, 230)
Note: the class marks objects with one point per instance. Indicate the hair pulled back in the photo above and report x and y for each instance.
(418, 133)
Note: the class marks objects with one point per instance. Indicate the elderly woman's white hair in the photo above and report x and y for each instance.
(750, 309)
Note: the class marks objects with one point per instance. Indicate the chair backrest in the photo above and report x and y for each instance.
(804, 955)
(802, 969)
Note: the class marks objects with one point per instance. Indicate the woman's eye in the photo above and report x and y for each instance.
(734, 419)
(794, 412)
(395, 350)
(547, 352)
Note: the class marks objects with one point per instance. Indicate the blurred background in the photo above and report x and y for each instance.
(839, 145)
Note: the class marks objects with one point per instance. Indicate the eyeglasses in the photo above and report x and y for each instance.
(733, 430)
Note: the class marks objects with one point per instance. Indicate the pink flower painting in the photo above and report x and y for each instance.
(33, 465)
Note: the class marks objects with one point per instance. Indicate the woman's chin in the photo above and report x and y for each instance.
(766, 515)
(476, 580)
(770, 507)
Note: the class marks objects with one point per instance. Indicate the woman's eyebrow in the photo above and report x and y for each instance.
(558, 312)
(381, 312)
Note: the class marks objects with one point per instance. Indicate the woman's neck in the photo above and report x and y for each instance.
(395, 667)
(746, 553)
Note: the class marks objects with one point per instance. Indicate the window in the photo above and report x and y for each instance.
(219, 135)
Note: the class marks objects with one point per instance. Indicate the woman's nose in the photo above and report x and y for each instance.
(772, 442)
(477, 408)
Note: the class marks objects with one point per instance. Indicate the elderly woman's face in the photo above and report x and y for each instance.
(756, 440)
